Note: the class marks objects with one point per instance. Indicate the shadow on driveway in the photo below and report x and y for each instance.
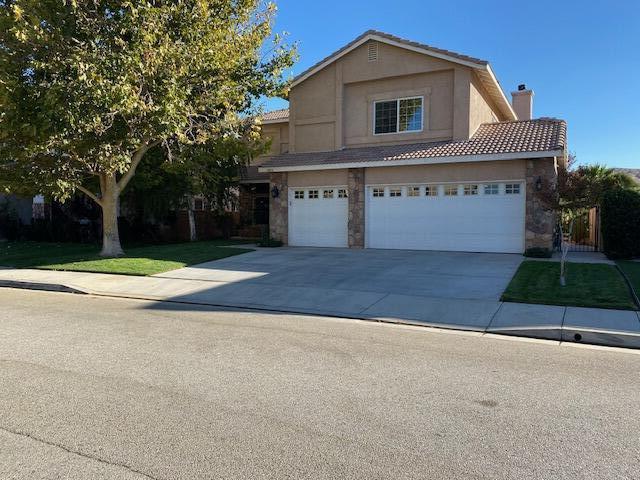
(458, 290)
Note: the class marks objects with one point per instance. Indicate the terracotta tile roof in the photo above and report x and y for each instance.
(524, 136)
(276, 115)
(394, 39)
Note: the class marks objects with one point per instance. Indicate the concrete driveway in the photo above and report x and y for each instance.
(459, 290)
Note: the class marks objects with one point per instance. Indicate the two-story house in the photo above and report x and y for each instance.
(389, 143)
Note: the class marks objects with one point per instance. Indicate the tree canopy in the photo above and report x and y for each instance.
(583, 187)
(88, 87)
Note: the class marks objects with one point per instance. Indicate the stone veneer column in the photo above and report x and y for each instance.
(540, 221)
(279, 208)
(356, 207)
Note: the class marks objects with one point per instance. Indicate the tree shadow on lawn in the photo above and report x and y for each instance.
(138, 259)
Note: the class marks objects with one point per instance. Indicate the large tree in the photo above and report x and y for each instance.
(88, 87)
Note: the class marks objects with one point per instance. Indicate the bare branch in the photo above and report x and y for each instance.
(135, 161)
(89, 194)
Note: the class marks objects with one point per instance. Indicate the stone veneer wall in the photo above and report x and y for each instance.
(540, 221)
(279, 208)
(356, 207)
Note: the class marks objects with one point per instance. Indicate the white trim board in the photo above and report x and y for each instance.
(415, 161)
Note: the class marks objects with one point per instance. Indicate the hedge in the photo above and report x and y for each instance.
(620, 217)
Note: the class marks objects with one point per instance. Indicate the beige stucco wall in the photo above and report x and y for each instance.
(278, 133)
(447, 172)
(334, 107)
(481, 108)
(319, 178)
(436, 88)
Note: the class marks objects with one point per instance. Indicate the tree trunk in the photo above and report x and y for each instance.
(110, 236)
(192, 220)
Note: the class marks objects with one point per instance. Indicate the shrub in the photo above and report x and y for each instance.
(268, 241)
(10, 224)
(620, 216)
(538, 252)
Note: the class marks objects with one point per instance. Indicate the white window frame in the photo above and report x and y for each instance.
(469, 191)
(398, 100)
(328, 193)
(375, 190)
(298, 194)
(452, 188)
(490, 186)
(343, 193)
(395, 192)
(512, 184)
(411, 191)
(316, 193)
(434, 191)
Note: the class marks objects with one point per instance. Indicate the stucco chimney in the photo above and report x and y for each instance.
(522, 102)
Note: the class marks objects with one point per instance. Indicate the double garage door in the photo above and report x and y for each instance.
(472, 217)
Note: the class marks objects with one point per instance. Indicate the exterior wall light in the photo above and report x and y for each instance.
(538, 184)
(275, 193)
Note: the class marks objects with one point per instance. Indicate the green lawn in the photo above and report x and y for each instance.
(588, 285)
(632, 271)
(138, 260)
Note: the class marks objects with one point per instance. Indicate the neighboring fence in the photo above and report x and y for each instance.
(585, 233)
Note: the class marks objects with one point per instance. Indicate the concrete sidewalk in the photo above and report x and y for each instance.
(618, 328)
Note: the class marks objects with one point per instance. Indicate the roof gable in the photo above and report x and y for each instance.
(481, 67)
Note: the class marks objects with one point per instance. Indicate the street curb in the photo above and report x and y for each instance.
(535, 334)
(46, 287)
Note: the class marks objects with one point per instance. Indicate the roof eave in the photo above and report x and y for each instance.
(502, 99)
(480, 65)
(373, 36)
(414, 161)
(275, 120)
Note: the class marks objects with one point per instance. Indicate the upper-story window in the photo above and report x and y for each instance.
(396, 116)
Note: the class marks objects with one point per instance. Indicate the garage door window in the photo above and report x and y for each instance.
(512, 189)
(431, 191)
(378, 192)
(451, 190)
(395, 192)
(491, 189)
(471, 189)
(327, 194)
(413, 191)
(342, 193)
(313, 194)
(298, 194)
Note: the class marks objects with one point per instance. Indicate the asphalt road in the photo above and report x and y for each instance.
(110, 388)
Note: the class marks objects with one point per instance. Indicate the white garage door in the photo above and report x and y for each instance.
(318, 216)
(469, 217)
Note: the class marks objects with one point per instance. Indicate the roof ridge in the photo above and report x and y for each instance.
(539, 119)
(389, 36)
(426, 46)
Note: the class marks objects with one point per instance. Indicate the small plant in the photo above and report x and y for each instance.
(268, 241)
(537, 252)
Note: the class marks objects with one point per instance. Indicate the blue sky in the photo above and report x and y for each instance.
(582, 58)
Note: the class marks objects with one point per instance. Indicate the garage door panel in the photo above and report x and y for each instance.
(317, 222)
(482, 223)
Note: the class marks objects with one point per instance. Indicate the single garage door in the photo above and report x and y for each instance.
(318, 216)
(467, 217)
